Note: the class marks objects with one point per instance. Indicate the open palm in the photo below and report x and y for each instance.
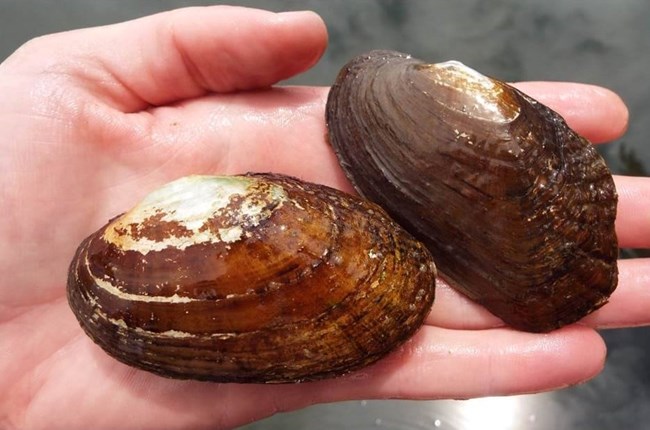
(92, 120)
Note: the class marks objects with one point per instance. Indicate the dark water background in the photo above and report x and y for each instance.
(602, 42)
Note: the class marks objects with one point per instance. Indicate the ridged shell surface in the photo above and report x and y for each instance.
(517, 209)
(256, 278)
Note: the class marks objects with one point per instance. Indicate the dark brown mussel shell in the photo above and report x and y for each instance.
(256, 278)
(517, 209)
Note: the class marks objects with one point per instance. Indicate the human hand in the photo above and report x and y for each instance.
(94, 119)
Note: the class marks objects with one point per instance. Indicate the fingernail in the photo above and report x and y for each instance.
(299, 15)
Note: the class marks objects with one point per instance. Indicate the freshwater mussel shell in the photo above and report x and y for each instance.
(256, 278)
(517, 209)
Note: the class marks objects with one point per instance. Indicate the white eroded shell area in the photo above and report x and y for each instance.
(486, 93)
(189, 204)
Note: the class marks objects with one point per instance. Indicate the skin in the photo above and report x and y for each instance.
(94, 119)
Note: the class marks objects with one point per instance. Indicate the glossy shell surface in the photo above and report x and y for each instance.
(517, 209)
(255, 278)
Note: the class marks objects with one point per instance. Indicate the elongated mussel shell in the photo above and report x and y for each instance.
(256, 278)
(517, 209)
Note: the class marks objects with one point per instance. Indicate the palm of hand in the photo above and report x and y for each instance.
(87, 138)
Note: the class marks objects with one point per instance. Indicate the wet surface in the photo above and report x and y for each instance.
(594, 41)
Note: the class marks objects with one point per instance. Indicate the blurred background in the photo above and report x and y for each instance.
(600, 42)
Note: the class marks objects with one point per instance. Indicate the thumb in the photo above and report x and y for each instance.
(179, 54)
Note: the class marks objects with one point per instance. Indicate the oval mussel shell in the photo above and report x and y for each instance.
(517, 209)
(256, 278)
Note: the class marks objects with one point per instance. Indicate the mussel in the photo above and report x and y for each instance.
(517, 209)
(253, 278)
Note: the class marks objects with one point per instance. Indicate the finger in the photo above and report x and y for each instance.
(633, 214)
(595, 112)
(440, 363)
(629, 305)
(285, 127)
(183, 54)
(453, 310)
(436, 363)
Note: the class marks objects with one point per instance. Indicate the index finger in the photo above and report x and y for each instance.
(595, 112)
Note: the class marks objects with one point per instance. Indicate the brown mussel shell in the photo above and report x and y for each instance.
(255, 278)
(517, 209)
